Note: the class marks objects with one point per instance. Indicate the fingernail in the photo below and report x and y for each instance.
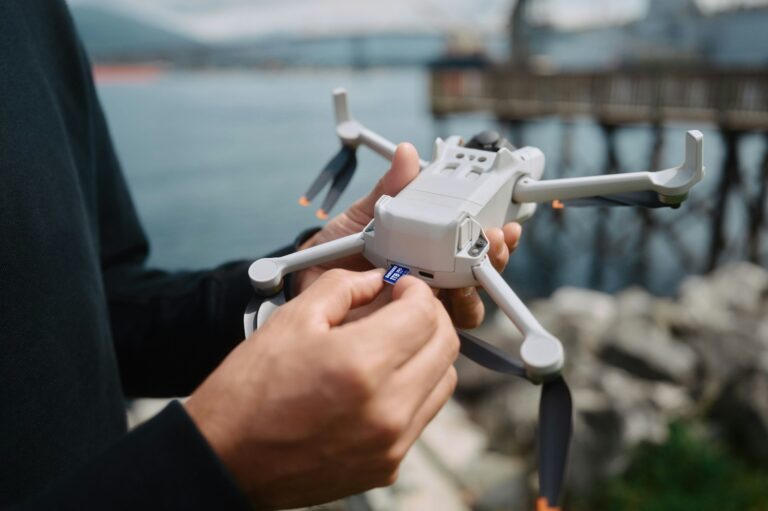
(467, 291)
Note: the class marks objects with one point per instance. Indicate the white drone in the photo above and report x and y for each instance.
(433, 230)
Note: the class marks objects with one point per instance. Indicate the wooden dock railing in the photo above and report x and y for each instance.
(733, 99)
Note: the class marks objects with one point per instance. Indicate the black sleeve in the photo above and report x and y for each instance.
(170, 329)
(70, 230)
(163, 464)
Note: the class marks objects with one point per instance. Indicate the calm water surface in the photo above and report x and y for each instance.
(217, 160)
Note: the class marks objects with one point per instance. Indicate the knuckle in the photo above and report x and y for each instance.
(335, 275)
(441, 313)
(388, 478)
(303, 305)
(452, 379)
(471, 322)
(415, 285)
(441, 316)
(454, 345)
(392, 458)
(469, 315)
(352, 381)
(432, 311)
(479, 316)
(423, 287)
(388, 430)
(391, 478)
(419, 311)
(428, 310)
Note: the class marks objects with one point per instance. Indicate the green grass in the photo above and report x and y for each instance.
(685, 473)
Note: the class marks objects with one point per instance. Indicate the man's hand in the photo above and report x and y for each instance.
(308, 409)
(464, 305)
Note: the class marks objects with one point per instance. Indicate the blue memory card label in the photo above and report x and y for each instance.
(394, 273)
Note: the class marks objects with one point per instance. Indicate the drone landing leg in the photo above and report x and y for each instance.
(541, 352)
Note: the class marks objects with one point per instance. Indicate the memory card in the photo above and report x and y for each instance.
(394, 273)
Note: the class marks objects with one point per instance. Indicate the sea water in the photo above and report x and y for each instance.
(216, 161)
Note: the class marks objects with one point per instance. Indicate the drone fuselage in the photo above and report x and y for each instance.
(434, 226)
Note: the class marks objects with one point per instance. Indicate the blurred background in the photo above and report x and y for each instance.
(221, 112)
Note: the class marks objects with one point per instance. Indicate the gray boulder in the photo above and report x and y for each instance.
(648, 352)
(579, 317)
(721, 300)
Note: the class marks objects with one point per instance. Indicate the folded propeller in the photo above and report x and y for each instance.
(339, 171)
(555, 416)
(341, 168)
(644, 199)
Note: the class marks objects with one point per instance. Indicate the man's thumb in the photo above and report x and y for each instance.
(405, 167)
(337, 291)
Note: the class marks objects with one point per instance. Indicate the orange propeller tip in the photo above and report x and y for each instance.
(556, 204)
(542, 504)
(304, 201)
(322, 215)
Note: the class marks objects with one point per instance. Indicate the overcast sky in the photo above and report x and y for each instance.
(230, 19)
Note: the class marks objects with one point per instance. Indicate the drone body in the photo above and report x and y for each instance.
(433, 230)
(434, 226)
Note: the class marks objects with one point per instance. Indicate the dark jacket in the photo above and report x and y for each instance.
(82, 322)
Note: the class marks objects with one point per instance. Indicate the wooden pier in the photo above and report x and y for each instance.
(735, 100)
(731, 101)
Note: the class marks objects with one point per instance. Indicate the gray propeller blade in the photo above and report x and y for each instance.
(555, 415)
(489, 356)
(340, 183)
(332, 169)
(647, 199)
(555, 423)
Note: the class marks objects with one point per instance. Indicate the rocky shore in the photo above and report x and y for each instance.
(635, 362)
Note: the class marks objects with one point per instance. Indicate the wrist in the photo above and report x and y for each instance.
(224, 444)
(199, 414)
(204, 419)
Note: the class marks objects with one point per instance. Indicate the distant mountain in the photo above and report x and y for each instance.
(117, 32)
(234, 21)
(110, 35)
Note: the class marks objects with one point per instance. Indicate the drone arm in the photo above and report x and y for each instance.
(352, 133)
(382, 146)
(267, 274)
(505, 298)
(541, 352)
(671, 185)
(529, 190)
